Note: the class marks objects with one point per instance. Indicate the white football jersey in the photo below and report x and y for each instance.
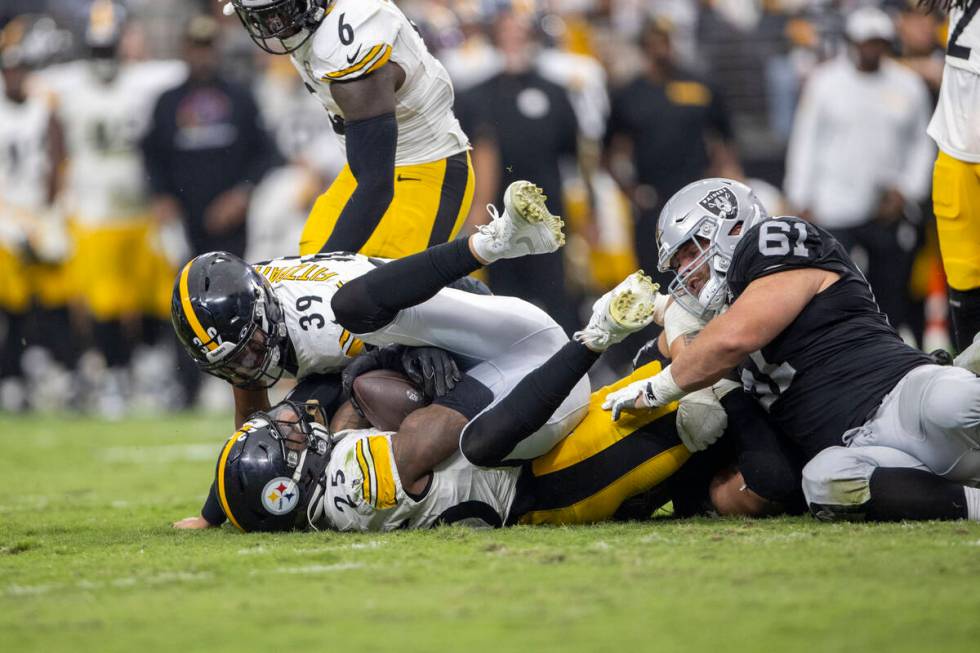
(25, 167)
(103, 125)
(364, 492)
(304, 286)
(359, 36)
(955, 124)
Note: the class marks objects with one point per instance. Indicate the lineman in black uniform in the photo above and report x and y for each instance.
(888, 434)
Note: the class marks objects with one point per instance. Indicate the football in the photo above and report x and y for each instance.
(386, 397)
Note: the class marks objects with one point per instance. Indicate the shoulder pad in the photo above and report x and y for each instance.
(354, 40)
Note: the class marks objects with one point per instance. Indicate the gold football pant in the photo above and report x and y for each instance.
(431, 202)
(587, 476)
(956, 202)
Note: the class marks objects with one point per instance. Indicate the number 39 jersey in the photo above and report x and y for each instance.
(955, 124)
(358, 37)
(364, 492)
(832, 366)
(304, 286)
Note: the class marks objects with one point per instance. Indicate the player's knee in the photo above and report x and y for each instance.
(953, 402)
(356, 311)
(479, 447)
(836, 484)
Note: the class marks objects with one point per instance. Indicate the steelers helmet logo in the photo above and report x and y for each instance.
(280, 495)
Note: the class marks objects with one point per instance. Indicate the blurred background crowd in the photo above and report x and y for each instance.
(132, 140)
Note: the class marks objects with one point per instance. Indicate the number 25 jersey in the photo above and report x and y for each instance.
(831, 367)
(955, 124)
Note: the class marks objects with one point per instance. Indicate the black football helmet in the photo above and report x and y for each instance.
(229, 320)
(280, 26)
(271, 472)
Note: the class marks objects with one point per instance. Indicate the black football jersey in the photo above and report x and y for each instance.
(832, 366)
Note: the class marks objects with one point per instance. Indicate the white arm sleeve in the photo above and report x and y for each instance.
(678, 322)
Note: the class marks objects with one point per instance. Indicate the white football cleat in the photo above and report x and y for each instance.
(625, 309)
(525, 227)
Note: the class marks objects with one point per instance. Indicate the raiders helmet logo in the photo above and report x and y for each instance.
(721, 202)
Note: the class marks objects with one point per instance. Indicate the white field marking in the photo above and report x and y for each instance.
(168, 453)
(165, 578)
(309, 569)
(27, 502)
(261, 550)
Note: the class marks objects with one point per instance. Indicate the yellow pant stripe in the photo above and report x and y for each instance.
(382, 61)
(185, 303)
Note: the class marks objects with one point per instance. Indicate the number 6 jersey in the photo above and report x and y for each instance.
(356, 38)
(304, 286)
(832, 366)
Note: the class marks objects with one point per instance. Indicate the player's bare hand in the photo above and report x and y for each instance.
(166, 208)
(227, 211)
(891, 207)
(192, 523)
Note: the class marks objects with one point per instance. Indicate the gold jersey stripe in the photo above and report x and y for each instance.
(185, 303)
(222, 462)
(365, 472)
(385, 496)
(380, 62)
(365, 60)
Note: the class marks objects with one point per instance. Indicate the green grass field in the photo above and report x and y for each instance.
(88, 562)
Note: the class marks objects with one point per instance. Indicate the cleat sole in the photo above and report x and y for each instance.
(528, 201)
(634, 306)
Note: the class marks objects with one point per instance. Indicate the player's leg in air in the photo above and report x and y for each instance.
(406, 302)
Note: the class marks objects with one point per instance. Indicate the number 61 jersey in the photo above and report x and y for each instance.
(832, 366)
(304, 286)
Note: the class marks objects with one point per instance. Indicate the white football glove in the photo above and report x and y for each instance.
(654, 392)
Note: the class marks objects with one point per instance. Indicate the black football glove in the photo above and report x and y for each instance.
(432, 369)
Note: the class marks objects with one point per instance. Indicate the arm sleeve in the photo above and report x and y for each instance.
(212, 511)
(371, 155)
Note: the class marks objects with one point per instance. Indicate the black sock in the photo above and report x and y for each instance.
(899, 493)
(964, 311)
(371, 301)
(494, 433)
(13, 346)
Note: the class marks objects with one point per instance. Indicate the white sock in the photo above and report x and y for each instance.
(972, 503)
(483, 246)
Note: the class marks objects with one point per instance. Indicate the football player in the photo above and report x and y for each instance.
(955, 127)
(105, 105)
(31, 153)
(240, 327)
(408, 183)
(887, 434)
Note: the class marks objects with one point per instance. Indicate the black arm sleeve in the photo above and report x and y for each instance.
(371, 155)
(212, 511)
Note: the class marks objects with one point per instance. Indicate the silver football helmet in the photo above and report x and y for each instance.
(712, 214)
